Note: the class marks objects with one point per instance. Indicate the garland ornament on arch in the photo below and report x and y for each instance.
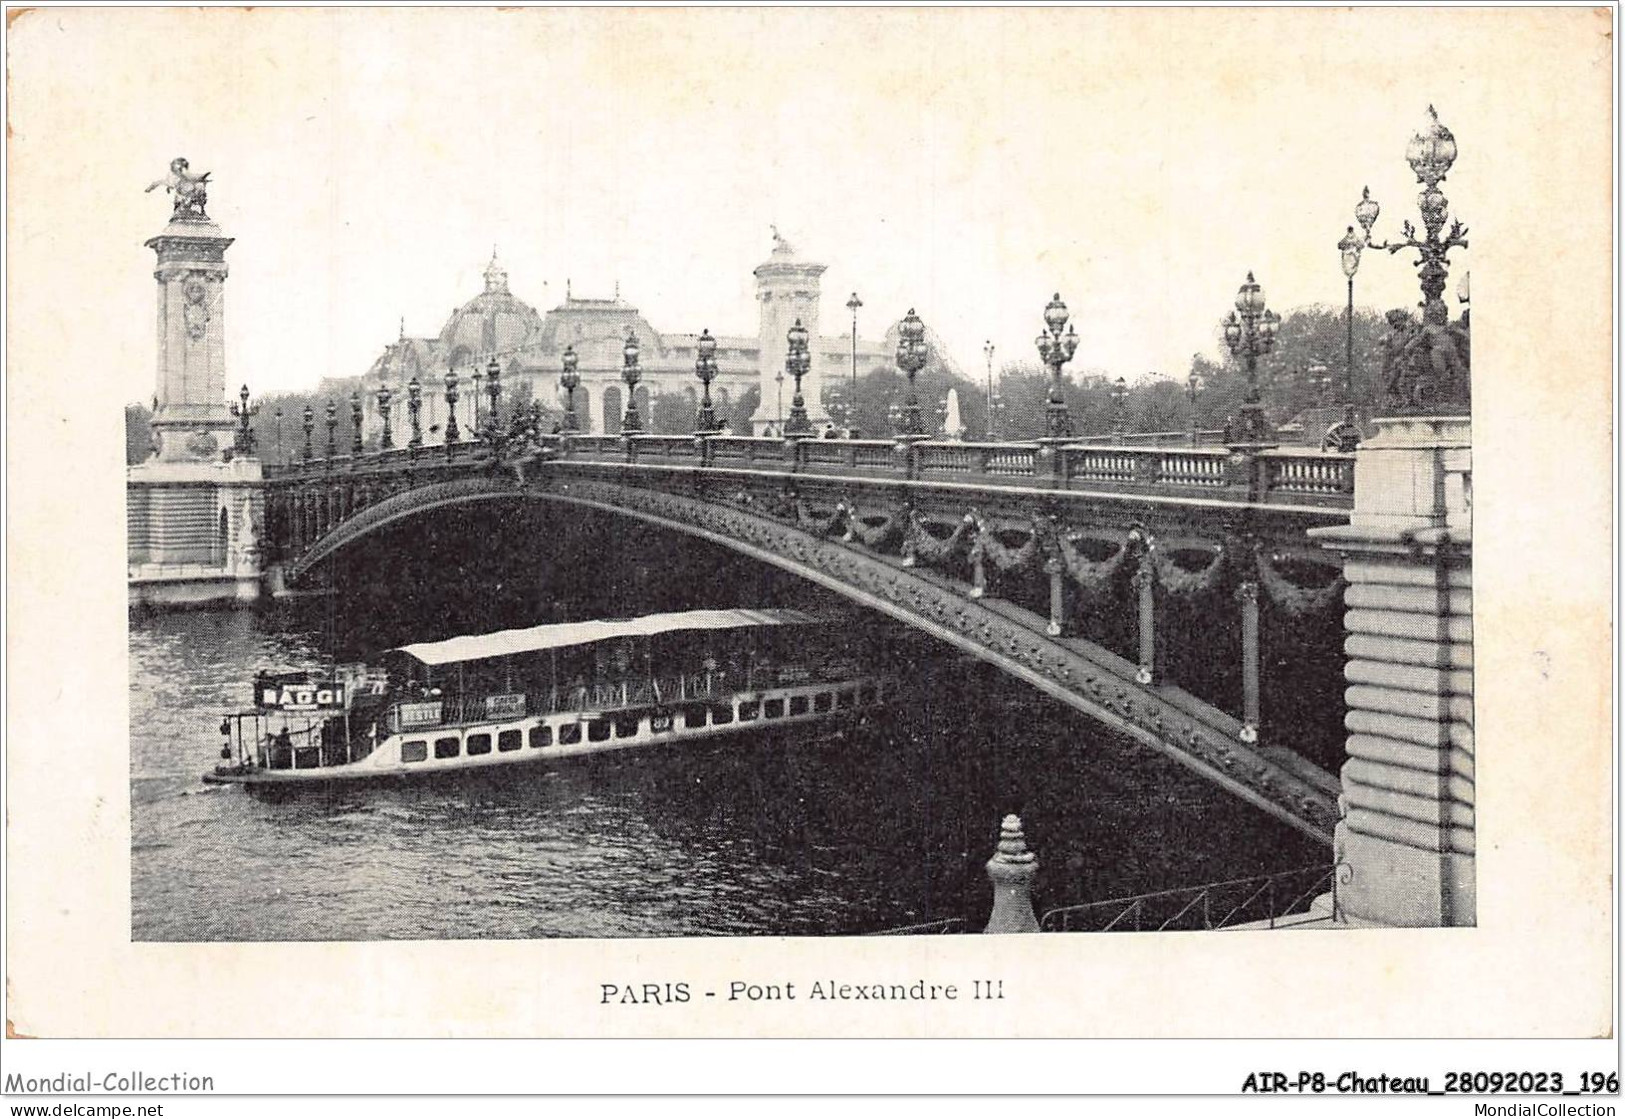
(1296, 601)
(1093, 577)
(858, 527)
(1176, 580)
(819, 522)
(921, 544)
(1004, 558)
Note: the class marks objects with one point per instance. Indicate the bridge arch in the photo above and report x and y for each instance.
(1074, 671)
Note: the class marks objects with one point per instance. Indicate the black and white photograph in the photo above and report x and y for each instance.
(682, 479)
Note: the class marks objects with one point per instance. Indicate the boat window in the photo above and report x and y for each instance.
(846, 697)
(749, 710)
(569, 734)
(363, 747)
(445, 747)
(479, 744)
(307, 757)
(414, 751)
(625, 728)
(866, 694)
(798, 705)
(694, 715)
(773, 709)
(510, 740)
(722, 714)
(539, 737)
(823, 701)
(598, 730)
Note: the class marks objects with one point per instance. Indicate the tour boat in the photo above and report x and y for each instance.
(547, 692)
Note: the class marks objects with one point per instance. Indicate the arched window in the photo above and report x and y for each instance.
(613, 410)
(222, 536)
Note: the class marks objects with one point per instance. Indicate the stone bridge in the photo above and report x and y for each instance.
(1004, 550)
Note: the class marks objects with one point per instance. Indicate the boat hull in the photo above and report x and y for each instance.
(488, 747)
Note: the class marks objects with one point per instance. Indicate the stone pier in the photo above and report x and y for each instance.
(1405, 844)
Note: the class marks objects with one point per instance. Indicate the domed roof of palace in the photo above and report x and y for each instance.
(493, 321)
(407, 358)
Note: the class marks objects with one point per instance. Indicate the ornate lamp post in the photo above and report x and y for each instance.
(705, 368)
(911, 352)
(245, 435)
(1056, 350)
(493, 388)
(277, 415)
(630, 373)
(852, 305)
(1119, 396)
(452, 434)
(568, 380)
(355, 422)
(797, 361)
(475, 402)
(310, 427)
(1249, 336)
(1192, 384)
(414, 406)
(1437, 379)
(1349, 251)
(387, 440)
(332, 429)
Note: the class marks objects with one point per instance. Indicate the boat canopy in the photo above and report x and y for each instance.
(513, 642)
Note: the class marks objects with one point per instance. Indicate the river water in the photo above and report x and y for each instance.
(803, 837)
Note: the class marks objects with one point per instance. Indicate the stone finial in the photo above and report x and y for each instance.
(1011, 870)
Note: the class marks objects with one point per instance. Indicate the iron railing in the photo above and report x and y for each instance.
(945, 926)
(1279, 475)
(1266, 898)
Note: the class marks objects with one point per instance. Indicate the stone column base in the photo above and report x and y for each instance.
(1390, 883)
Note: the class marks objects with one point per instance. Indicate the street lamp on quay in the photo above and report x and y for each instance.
(277, 415)
(705, 368)
(992, 422)
(630, 373)
(568, 380)
(474, 423)
(1056, 350)
(1349, 252)
(797, 360)
(1250, 336)
(911, 353)
(852, 305)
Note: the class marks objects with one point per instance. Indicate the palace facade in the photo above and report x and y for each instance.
(529, 346)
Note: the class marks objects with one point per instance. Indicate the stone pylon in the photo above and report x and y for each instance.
(1405, 845)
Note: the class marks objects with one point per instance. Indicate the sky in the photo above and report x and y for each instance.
(965, 162)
